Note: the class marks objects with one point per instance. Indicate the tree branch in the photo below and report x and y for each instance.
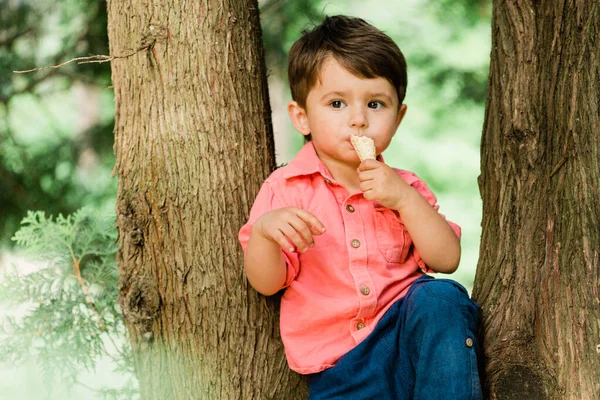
(89, 300)
(100, 58)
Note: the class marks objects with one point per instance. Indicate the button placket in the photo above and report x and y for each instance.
(357, 249)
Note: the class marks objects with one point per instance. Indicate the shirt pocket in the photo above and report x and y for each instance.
(392, 237)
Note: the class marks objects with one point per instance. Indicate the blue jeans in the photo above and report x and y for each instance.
(424, 348)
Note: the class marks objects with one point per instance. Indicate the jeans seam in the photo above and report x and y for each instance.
(433, 294)
(471, 351)
(472, 356)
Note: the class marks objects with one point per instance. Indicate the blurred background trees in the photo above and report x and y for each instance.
(56, 124)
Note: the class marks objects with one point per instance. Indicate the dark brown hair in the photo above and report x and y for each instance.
(356, 45)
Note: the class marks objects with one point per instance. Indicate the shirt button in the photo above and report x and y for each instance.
(360, 325)
(469, 342)
(350, 208)
(355, 243)
(365, 290)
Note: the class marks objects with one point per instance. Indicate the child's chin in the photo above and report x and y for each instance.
(354, 161)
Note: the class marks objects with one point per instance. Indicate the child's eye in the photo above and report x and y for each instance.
(376, 105)
(337, 104)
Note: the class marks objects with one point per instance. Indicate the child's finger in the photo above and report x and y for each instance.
(304, 230)
(295, 237)
(367, 175)
(282, 240)
(316, 226)
(366, 185)
(368, 164)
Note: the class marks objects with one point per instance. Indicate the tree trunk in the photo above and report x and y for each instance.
(538, 273)
(193, 144)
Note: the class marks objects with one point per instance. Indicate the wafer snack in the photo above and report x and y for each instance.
(364, 146)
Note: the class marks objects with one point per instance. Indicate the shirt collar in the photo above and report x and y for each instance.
(307, 162)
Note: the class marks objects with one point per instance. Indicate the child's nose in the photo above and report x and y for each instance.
(358, 118)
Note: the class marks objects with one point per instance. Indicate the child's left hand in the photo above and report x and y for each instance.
(380, 183)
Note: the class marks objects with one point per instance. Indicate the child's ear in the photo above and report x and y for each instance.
(299, 118)
(401, 114)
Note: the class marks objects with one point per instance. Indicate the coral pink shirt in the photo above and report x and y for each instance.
(364, 262)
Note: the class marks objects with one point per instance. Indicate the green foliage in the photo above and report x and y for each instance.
(462, 13)
(72, 317)
(282, 22)
(53, 145)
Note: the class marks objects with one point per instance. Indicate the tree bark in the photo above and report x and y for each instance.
(538, 273)
(193, 144)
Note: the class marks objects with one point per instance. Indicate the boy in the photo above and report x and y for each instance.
(350, 241)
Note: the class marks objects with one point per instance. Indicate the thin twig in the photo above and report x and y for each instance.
(78, 382)
(99, 58)
(88, 299)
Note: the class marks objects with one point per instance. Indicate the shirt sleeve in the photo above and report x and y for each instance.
(266, 201)
(422, 188)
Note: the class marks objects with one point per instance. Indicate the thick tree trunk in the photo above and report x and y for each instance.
(538, 273)
(193, 144)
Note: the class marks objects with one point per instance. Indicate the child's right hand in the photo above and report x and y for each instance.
(287, 226)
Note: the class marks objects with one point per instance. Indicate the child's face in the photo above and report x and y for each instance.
(341, 104)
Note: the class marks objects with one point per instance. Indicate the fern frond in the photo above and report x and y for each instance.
(73, 317)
